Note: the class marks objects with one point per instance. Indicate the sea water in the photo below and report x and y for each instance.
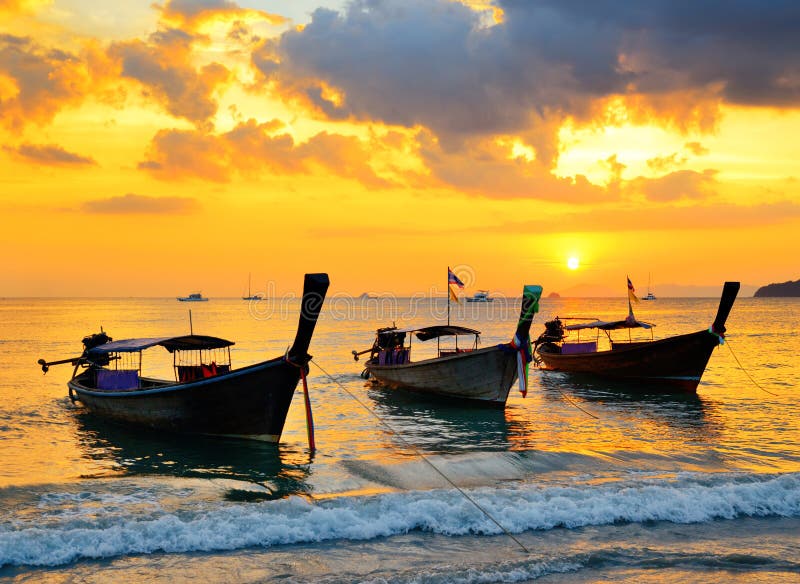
(577, 482)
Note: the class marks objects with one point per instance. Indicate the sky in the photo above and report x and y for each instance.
(155, 149)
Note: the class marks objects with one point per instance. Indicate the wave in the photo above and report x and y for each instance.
(144, 526)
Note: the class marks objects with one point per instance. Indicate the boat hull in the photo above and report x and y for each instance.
(674, 363)
(483, 376)
(250, 402)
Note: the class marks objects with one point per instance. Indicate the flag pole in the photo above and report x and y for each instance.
(448, 295)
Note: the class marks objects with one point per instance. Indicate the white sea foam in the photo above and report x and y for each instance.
(227, 526)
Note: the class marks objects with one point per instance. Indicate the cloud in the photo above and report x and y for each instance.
(191, 14)
(487, 168)
(443, 66)
(163, 65)
(141, 205)
(20, 6)
(696, 148)
(49, 155)
(666, 217)
(610, 219)
(681, 184)
(37, 82)
(252, 147)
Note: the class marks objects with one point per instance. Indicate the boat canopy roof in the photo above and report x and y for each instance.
(610, 325)
(432, 332)
(171, 344)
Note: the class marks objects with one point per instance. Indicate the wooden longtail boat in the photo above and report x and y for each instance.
(483, 376)
(207, 396)
(673, 363)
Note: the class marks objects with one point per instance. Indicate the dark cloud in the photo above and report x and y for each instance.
(50, 155)
(163, 65)
(142, 204)
(436, 63)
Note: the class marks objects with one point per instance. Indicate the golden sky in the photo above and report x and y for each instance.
(153, 149)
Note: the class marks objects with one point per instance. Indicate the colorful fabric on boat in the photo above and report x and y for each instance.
(453, 279)
(524, 357)
(453, 296)
(631, 291)
(530, 295)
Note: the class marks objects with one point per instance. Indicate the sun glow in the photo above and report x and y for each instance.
(573, 263)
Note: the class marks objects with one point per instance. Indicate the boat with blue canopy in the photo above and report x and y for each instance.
(207, 395)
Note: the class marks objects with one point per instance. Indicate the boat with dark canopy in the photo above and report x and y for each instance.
(207, 395)
(467, 373)
(672, 363)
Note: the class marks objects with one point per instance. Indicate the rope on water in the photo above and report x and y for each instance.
(750, 377)
(572, 403)
(423, 457)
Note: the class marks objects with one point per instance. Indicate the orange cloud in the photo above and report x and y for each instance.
(20, 6)
(49, 155)
(252, 148)
(486, 169)
(616, 219)
(681, 184)
(37, 82)
(191, 14)
(175, 154)
(141, 204)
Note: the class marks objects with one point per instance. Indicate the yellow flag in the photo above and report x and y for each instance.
(453, 296)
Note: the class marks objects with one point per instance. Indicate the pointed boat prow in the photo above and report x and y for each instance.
(729, 293)
(530, 306)
(315, 286)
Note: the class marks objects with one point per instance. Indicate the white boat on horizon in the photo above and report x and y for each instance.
(480, 296)
(649, 295)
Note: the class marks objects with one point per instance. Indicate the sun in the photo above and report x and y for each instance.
(573, 263)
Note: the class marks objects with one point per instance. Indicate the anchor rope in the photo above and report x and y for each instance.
(423, 457)
(750, 377)
(572, 403)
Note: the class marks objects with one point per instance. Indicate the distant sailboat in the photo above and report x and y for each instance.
(251, 296)
(650, 295)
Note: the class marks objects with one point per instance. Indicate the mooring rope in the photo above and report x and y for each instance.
(423, 457)
(566, 397)
(750, 377)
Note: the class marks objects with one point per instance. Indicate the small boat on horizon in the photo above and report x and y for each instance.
(649, 295)
(207, 396)
(480, 296)
(250, 295)
(672, 363)
(470, 374)
(193, 297)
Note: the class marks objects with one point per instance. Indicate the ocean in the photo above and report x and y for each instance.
(588, 482)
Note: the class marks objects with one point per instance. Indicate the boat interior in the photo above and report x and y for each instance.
(390, 343)
(566, 339)
(117, 366)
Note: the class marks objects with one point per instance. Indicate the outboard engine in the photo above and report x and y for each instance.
(95, 340)
(553, 333)
(388, 338)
